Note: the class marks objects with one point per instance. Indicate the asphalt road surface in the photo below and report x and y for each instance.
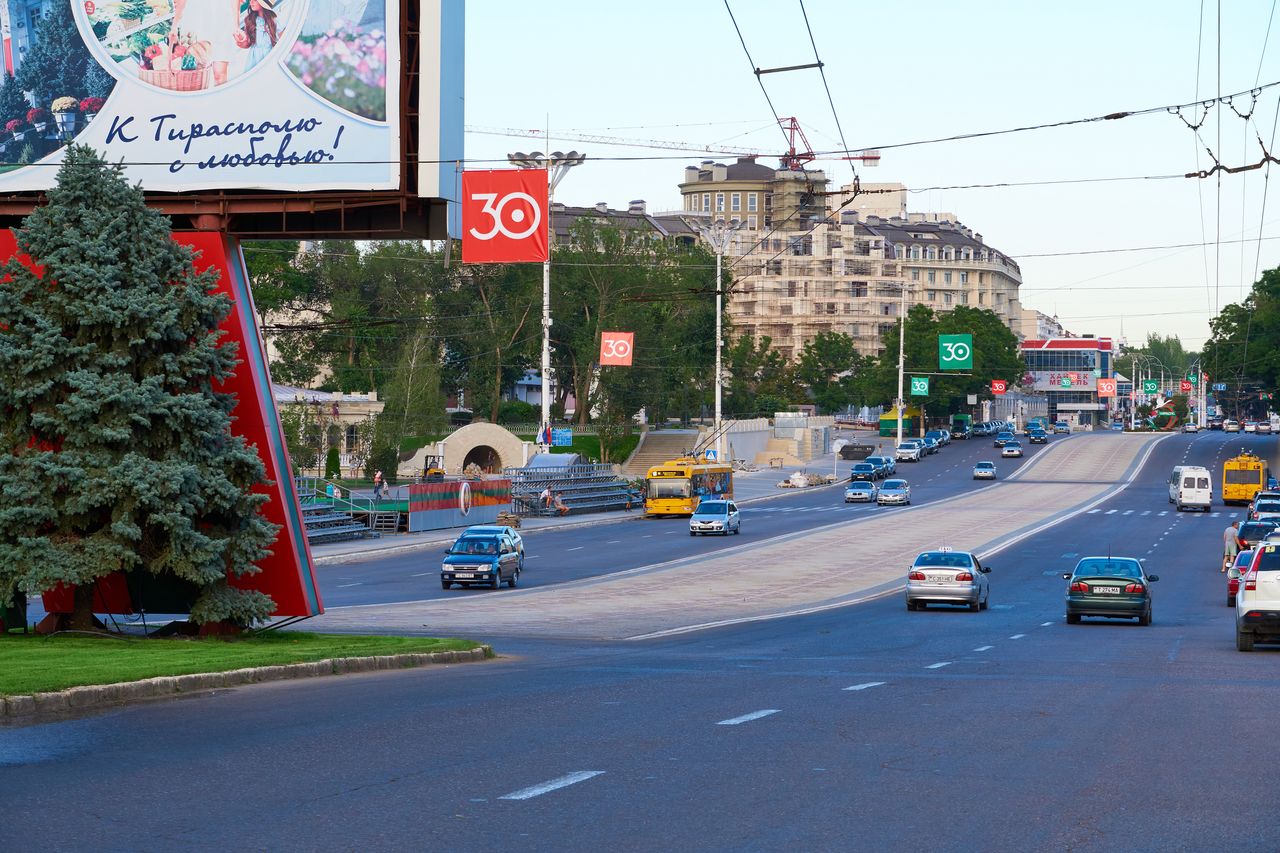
(861, 728)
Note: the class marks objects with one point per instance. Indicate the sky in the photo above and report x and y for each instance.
(903, 72)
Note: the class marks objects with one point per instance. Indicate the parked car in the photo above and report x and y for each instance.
(715, 517)
(1002, 437)
(1011, 449)
(490, 559)
(939, 435)
(885, 463)
(1253, 532)
(931, 445)
(1258, 599)
(948, 577)
(861, 492)
(1113, 587)
(864, 471)
(907, 452)
(894, 492)
(1237, 570)
(984, 471)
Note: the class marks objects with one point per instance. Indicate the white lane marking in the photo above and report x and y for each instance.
(1045, 624)
(746, 718)
(1214, 514)
(554, 785)
(938, 665)
(1110, 512)
(345, 585)
(613, 542)
(1093, 512)
(531, 556)
(865, 686)
(669, 532)
(1017, 636)
(1146, 512)
(423, 574)
(1127, 512)
(983, 648)
(647, 536)
(579, 548)
(1165, 512)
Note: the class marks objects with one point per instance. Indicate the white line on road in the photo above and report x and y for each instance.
(579, 548)
(670, 532)
(1093, 512)
(1045, 624)
(555, 784)
(938, 665)
(983, 648)
(613, 542)
(865, 686)
(1127, 512)
(746, 718)
(345, 585)
(531, 556)
(1110, 512)
(1017, 636)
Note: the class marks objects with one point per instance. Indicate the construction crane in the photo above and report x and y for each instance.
(794, 158)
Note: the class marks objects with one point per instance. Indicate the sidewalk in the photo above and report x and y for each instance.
(748, 487)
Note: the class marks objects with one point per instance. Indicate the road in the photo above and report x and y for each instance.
(858, 728)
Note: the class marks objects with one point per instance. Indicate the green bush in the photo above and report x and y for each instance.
(384, 459)
(518, 412)
(332, 465)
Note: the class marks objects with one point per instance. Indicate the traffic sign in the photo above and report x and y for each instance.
(1106, 387)
(955, 352)
(1185, 386)
(1193, 378)
(1065, 382)
(1097, 372)
(999, 386)
(919, 386)
(1220, 386)
(561, 437)
(504, 216)
(1150, 386)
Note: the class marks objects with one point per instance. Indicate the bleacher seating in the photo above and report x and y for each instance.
(326, 520)
(582, 488)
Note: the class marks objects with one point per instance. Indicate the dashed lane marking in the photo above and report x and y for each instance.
(553, 785)
(746, 718)
(865, 686)
(1127, 512)
(1045, 624)
(579, 548)
(423, 574)
(983, 648)
(1111, 512)
(1017, 636)
(939, 665)
(345, 585)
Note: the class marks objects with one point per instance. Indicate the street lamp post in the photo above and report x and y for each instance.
(557, 164)
(717, 234)
(902, 335)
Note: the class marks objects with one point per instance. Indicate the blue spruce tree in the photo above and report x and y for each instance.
(118, 452)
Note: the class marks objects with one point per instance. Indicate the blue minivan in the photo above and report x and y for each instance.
(481, 560)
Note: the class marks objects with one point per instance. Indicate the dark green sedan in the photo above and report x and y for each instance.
(1114, 587)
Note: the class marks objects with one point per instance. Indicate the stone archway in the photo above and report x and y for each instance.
(481, 443)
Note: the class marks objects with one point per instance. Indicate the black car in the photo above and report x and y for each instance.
(864, 471)
(1111, 587)
(1253, 532)
(1003, 436)
(1038, 436)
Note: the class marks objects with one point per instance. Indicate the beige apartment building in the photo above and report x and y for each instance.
(803, 266)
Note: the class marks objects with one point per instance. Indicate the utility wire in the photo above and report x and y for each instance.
(830, 100)
(755, 69)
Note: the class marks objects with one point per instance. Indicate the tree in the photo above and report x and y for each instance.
(118, 447)
(13, 102)
(761, 381)
(57, 61)
(829, 366)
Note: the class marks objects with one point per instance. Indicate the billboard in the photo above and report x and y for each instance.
(1061, 380)
(211, 94)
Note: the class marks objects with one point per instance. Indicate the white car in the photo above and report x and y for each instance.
(1190, 426)
(1230, 426)
(1250, 426)
(720, 517)
(1011, 449)
(907, 452)
(984, 471)
(861, 492)
(1258, 599)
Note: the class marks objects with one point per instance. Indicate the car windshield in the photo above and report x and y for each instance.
(986, 466)
(945, 558)
(1267, 506)
(895, 484)
(1005, 434)
(906, 446)
(711, 508)
(475, 546)
(1109, 568)
(860, 487)
(864, 466)
(674, 487)
(1268, 558)
(1254, 530)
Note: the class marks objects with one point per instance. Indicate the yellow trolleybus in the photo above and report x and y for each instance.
(678, 486)
(1243, 477)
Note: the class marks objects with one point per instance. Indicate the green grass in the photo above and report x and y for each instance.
(589, 446)
(32, 664)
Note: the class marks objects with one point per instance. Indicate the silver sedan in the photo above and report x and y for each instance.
(948, 577)
(894, 492)
(861, 491)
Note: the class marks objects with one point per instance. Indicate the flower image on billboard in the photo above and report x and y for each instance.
(212, 94)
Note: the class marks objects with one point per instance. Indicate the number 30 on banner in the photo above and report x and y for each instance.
(615, 347)
(504, 216)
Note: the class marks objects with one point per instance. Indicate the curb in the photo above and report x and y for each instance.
(97, 696)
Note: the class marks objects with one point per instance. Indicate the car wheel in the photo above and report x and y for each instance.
(691, 533)
(913, 605)
(496, 583)
(1244, 641)
(1145, 618)
(1073, 618)
(975, 607)
(1231, 601)
(445, 584)
(986, 602)
(514, 579)
(737, 531)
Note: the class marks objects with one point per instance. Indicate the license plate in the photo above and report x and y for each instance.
(463, 575)
(1106, 590)
(941, 578)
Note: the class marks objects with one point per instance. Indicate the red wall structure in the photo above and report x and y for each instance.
(288, 575)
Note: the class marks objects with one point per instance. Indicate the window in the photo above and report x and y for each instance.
(915, 253)
(719, 202)
(933, 277)
(785, 308)
(706, 202)
(946, 277)
(751, 223)
(949, 253)
(857, 288)
(856, 267)
(933, 296)
(946, 298)
(751, 202)
(889, 309)
(982, 278)
(982, 298)
(964, 278)
(931, 254)
(792, 289)
(735, 202)
(915, 275)
(353, 438)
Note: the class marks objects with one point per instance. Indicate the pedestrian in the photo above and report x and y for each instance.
(1230, 544)
(545, 497)
(559, 504)
(377, 485)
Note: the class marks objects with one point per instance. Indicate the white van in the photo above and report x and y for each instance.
(1191, 487)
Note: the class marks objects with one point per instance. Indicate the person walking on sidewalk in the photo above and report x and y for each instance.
(378, 484)
(1230, 544)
